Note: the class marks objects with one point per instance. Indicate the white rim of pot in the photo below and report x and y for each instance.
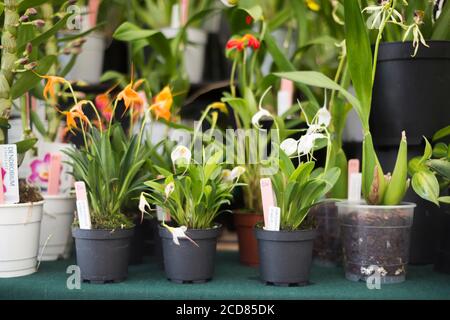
(21, 205)
(59, 197)
(364, 205)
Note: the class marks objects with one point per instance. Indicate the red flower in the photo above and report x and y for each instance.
(240, 44)
(235, 44)
(252, 41)
(248, 19)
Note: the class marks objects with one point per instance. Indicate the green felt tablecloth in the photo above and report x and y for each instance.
(232, 281)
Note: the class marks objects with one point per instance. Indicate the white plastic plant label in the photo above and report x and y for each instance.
(37, 169)
(9, 172)
(355, 185)
(268, 198)
(84, 215)
(274, 219)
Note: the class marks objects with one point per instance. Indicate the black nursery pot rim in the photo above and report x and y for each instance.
(102, 234)
(196, 234)
(398, 50)
(285, 235)
(364, 205)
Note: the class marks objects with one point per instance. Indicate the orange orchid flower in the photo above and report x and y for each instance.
(130, 96)
(162, 104)
(50, 85)
(76, 112)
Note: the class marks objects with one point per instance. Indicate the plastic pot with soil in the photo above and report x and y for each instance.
(20, 226)
(248, 245)
(285, 256)
(103, 255)
(56, 238)
(376, 240)
(190, 262)
(327, 246)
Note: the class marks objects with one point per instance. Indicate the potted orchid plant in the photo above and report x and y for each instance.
(413, 38)
(108, 173)
(193, 195)
(22, 205)
(431, 180)
(286, 239)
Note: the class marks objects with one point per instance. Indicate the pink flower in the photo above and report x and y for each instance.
(39, 169)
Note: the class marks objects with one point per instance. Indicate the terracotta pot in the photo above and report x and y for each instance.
(248, 246)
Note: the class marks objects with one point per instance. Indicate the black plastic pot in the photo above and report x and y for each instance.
(137, 242)
(410, 93)
(188, 263)
(285, 256)
(442, 261)
(103, 255)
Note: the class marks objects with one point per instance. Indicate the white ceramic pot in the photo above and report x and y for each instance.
(89, 64)
(56, 235)
(194, 53)
(20, 226)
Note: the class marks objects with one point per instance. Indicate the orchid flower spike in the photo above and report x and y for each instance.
(143, 205)
(262, 113)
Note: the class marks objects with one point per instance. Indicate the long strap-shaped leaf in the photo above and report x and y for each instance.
(359, 57)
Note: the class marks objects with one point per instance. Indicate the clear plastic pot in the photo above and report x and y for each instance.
(327, 246)
(375, 240)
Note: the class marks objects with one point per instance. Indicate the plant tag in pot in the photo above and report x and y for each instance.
(54, 174)
(84, 216)
(354, 186)
(162, 215)
(268, 198)
(9, 172)
(37, 170)
(274, 219)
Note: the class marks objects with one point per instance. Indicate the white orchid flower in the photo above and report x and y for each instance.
(289, 146)
(306, 144)
(260, 115)
(143, 204)
(169, 189)
(226, 175)
(230, 3)
(179, 233)
(237, 172)
(181, 153)
(323, 117)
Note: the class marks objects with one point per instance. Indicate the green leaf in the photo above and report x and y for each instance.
(440, 150)
(285, 65)
(359, 57)
(254, 10)
(25, 4)
(444, 199)
(61, 24)
(442, 133)
(38, 124)
(426, 186)
(441, 27)
(442, 167)
(317, 79)
(428, 151)
(28, 80)
(69, 66)
(25, 145)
